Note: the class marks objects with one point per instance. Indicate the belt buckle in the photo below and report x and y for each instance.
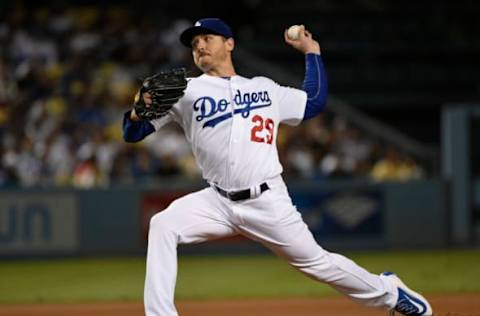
(230, 195)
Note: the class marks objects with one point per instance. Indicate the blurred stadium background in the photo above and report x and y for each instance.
(393, 164)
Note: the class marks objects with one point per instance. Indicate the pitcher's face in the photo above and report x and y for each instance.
(209, 51)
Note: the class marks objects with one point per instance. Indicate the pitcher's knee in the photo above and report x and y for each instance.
(160, 226)
(315, 267)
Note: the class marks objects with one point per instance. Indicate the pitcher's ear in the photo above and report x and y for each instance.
(230, 43)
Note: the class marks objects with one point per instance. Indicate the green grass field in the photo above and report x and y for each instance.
(212, 277)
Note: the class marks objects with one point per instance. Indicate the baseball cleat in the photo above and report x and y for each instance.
(409, 302)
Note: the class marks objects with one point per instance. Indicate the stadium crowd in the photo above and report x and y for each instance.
(68, 75)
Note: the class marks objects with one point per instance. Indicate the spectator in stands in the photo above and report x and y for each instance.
(394, 167)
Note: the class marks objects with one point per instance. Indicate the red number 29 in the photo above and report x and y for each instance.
(260, 124)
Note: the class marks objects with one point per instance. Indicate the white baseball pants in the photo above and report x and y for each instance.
(271, 219)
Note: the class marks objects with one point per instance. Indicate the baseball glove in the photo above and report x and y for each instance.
(166, 88)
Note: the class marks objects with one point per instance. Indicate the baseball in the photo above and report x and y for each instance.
(293, 32)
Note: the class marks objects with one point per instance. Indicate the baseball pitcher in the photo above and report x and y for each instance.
(232, 125)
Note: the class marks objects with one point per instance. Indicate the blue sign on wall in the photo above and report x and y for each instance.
(342, 213)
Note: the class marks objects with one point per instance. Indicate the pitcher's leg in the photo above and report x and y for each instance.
(277, 224)
(194, 218)
(161, 272)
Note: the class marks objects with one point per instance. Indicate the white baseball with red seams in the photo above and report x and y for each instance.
(232, 126)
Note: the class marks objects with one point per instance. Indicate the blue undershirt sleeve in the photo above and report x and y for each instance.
(135, 131)
(315, 85)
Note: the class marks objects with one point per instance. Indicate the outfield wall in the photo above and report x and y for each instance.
(342, 215)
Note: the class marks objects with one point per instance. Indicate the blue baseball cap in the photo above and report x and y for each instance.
(205, 26)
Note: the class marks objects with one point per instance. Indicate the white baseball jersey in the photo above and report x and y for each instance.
(232, 126)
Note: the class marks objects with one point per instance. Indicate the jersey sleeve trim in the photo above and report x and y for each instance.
(134, 131)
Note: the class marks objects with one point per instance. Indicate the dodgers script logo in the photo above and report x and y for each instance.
(207, 107)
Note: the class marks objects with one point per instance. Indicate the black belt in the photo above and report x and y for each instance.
(240, 195)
